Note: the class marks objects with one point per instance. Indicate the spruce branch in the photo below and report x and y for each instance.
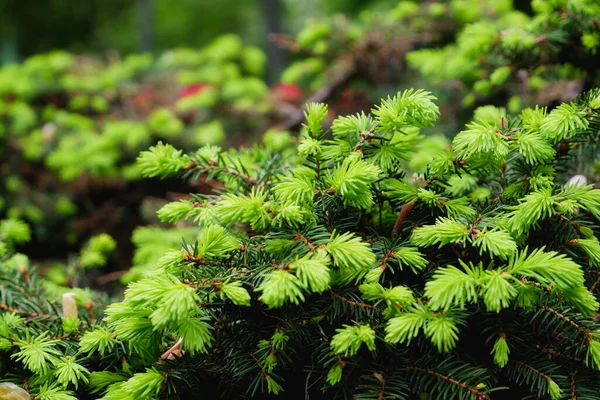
(475, 391)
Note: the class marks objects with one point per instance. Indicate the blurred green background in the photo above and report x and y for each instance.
(28, 27)
(96, 27)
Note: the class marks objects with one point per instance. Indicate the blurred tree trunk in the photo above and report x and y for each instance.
(145, 17)
(275, 56)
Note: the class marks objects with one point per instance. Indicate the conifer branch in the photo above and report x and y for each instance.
(573, 395)
(584, 331)
(529, 367)
(478, 394)
(211, 167)
(355, 303)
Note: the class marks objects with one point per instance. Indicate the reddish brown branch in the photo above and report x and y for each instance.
(366, 135)
(354, 303)
(594, 285)
(320, 96)
(586, 332)
(540, 373)
(402, 215)
(226, 170)
(110, 277)
(479, 394)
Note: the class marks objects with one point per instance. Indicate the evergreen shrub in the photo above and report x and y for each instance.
(335, 274)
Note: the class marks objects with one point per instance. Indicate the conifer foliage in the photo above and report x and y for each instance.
(337, 274)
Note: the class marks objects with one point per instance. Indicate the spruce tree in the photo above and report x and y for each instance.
(336, 274)
(520, 60)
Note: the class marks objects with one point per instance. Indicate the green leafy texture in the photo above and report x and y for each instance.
(590, 200)
(497, 242)
(563, 121)
(412, 257)
(279, 287)
(396, 297)
(445, 231)
(353, 179)
(481, 139)
(591, 247)
(253, 209)
(53, 392)
(94, 254)
(309, 147)
(408, 108)
(352, 125)
(349, 252)
(175, 211)
(555, 391)
(103, 379)
(533, 208)
(165, 123)
(547, 267)
(443, 332)
(315, 114)
(38, 354)
(450, 286)
(100, 339)
(14, 230)
(313, 271)
(497, 291)
(406, 326)
(144, 384)
(534, 148)
(235, 292)
(334, 376)
(196, 333)
(68, 371)
(500, 351)
(177, 302)
(399, 190)
(162, 160)
(215, 242)
(296, 189)
(348, 340)
(459, 185)
(272, 386)
(236, 305)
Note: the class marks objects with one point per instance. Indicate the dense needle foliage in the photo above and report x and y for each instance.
(336, 274)
(521, 60)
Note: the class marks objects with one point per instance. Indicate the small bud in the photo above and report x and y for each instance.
(69, 305)
(70, 324)
(577, 180)
(563, 147)
(173, 352)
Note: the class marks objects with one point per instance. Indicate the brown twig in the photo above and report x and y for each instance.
(231, 171)
(402, 215)
(319, 96)
(205, 283)
(476, 392)
(110, 277)
(594, 285)
(586, 332)
(540, 373)
(366, 135)
(354, 303)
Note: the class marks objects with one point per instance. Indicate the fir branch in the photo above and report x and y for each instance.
(211, 166)
(476, 392)
(355, 303)
(584, 331)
